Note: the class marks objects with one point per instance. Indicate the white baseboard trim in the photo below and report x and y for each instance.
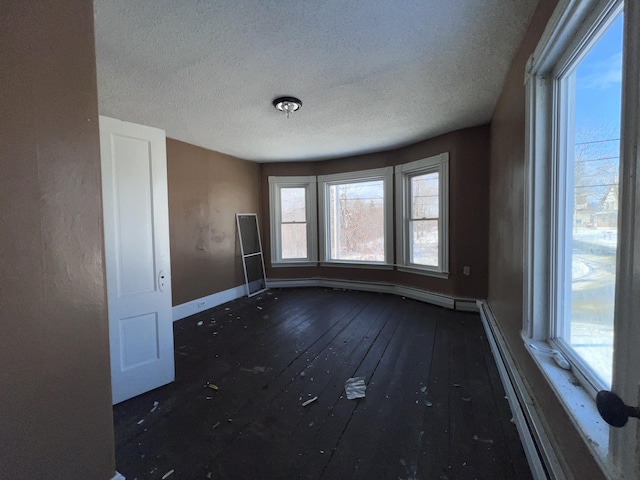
(540, 453)
(118, 476)
(463, 304)
(195, 306)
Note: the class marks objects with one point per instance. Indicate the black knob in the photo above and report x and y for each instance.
(613, 410)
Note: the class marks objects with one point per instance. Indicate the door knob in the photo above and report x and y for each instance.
(613, 410)
(161, 281)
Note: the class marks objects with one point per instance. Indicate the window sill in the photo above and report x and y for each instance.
(293, 264)
(376, 266)
(579, 405)
(422, 271)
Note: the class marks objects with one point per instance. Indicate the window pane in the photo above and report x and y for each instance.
(424, 242)
(424, 196)
(294, 240)
(591, 228)
(292, 205)
(356, 221)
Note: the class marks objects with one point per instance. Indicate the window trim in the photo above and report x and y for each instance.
(572, 21)
(587, 37)
(572, 34)
(309, 184)
(403, 173)
(324, 182)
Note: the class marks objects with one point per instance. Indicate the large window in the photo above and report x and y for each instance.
(575, 117)
(356, 213)
(293, 220)
(582, 251)
(587, 162)
(422, 215)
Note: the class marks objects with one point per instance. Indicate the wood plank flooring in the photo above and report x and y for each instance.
(434, 405)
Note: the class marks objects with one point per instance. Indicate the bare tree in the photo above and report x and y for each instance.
(595, 175)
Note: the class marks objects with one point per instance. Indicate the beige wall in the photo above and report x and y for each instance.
(55, 393)
(55, 380)
(206, 190)
(468, 217)
(507, 243)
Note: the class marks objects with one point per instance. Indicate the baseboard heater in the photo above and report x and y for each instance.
(540, 454)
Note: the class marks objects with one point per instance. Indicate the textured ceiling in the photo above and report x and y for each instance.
(372, 74)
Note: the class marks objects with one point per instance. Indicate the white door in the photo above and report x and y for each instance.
(136, 230)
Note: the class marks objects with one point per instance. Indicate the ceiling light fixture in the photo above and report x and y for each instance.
(287, 105)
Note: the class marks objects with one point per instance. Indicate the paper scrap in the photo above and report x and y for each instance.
(213, 386)
(311, 400)
(168, 474)
(355, 388)
(155, 406)
(255, 370)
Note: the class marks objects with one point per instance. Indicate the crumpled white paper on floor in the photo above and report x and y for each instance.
(355, 388)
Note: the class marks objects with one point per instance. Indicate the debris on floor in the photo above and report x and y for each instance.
(483, 440)
(255, 370)
(168, 474)
(355, 388)
(213, 386)
(311, 400)
(155, 406)
(200, 323)
(423, 389)
(428, 403)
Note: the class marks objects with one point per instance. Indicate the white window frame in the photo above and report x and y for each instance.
(436, 164)
(613, 449)
(546, 148)
(324, 183)
(309, 184)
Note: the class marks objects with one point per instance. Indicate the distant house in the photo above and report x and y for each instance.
(607, 216)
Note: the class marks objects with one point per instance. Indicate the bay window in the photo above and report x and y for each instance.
(422, 206)
(292, 202)
(355, 217)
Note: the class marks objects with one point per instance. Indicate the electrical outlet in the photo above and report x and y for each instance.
(466, 270)
(201, 304)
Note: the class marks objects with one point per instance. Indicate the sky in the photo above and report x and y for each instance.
(598, 83)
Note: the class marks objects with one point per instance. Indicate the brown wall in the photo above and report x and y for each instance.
(507, 244)
(206, 190)
(55, 388)
(468, 216)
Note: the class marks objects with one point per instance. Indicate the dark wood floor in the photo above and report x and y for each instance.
(434, 408)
